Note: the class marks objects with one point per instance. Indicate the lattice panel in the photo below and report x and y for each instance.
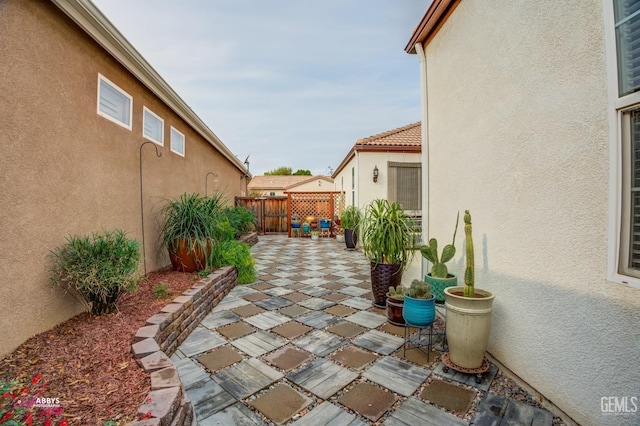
(320, 205)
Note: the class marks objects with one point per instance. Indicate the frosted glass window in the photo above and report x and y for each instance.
(114, 103)
(177, 142)
(153, 127)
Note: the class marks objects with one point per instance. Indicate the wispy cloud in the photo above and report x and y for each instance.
(290, 82)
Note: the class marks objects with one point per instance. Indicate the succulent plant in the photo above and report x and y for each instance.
(430, 252)
(419, 290)
(396, 292)
(469, 274)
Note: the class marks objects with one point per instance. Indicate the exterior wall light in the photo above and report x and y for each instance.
(375, 173)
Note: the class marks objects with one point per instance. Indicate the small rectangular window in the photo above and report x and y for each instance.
(405, 184)
(114, 103)
(152, 127)
(177, 142)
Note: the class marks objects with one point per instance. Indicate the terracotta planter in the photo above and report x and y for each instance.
(384, 276)
(185, 260)
(394, 310)
(468, 325)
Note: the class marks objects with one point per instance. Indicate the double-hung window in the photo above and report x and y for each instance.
(405, 184)
(114, 103)
(627, 32)
(177, 142)
(152, 127)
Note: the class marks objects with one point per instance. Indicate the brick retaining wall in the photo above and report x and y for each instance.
(251, 239)
(167, 403)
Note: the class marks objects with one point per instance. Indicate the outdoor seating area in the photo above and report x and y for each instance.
(303, 345)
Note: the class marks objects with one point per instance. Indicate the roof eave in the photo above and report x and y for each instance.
(97, 26)
(438, 12)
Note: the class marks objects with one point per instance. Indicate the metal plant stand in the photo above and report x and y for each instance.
(423, 337)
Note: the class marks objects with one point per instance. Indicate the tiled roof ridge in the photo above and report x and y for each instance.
(387, 133)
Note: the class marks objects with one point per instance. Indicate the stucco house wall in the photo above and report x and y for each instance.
(517, 122)
(313, 184)
(68, 171)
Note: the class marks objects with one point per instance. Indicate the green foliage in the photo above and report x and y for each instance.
(301, 172)
(18, 403)
(430, 252)
(279, 171)
(160, 291)
(469, 273)
(234, 253)
(419, 290)
(397, 292)
(99, 268)
(387, 233)
(193, 218)
(351, 218)
(241, 219)
(204, 273)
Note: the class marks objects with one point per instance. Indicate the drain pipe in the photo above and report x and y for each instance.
(425, 149)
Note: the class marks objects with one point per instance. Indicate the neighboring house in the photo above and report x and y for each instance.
(388, 166)
(278, 186)
(531, 118)
(78, 102)
(395, 157)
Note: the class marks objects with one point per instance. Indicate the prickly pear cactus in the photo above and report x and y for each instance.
(469, 274)
(430, 252)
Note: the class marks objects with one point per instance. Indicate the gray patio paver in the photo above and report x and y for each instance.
(328, 414)
(317, 319)
(267, 320)
(367, 319)
(315, 291)
(259, 343)
(322, 377)
(208, 398)
(273, 303)
(200, 340)
(414, 412)
(357, 303)
(396, 375)
(237, 414)
(277, 291)
(316, 303)
(378, 341)
(320, 342)
(241, 291)
(468, 379)
(247, 377)
(229, 303)
(219, 319)
(353, 291)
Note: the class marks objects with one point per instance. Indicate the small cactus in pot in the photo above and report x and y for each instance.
(396, 292)
(419, 304)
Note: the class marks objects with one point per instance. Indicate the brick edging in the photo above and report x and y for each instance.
(167, 403)
(251, 239)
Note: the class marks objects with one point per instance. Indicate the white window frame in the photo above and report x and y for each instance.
(146, 110)
(109, 117)
(184, 142)
(617, 107)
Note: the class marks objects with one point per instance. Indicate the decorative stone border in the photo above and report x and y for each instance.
(251, 239)
(167, 403)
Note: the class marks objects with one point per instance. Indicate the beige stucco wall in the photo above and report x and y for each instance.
(65, 170)
(315, 185)
(518, 134)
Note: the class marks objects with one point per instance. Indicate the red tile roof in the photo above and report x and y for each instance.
(407, 136)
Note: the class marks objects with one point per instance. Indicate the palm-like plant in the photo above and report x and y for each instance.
(387, 233)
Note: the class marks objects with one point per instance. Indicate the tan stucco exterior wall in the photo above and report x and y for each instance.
(518, 134)
(66, 170)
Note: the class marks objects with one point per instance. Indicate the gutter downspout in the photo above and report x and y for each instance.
(425, 149)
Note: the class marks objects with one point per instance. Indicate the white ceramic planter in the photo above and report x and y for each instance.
(468, 326)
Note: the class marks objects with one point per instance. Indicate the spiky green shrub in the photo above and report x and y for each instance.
(430, 252)
(241, 219)
(234, 253)
(387, 233)
(351, 218)
(419, 290)
(97, 268)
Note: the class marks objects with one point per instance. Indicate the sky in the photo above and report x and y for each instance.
(286, 82)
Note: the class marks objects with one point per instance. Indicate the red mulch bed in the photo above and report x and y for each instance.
(87, 361)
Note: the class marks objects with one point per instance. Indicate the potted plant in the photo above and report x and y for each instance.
(395, 302)
(387, 240)
(468, 318)
(315, 235)
(295, 221)
(439, 278)
(419, 305)
(189, 227)
(350, 222)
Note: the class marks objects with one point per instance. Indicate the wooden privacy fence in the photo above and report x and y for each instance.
(320, 205)
(271, 213)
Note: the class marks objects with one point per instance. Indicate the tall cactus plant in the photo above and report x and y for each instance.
(469, 274)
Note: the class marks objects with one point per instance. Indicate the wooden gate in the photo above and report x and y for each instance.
(271, 213)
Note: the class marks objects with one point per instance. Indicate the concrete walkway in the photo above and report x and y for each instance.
(303, 345)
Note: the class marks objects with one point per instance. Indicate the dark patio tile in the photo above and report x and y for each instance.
(291, 330)
(261, 286)
(280, 403)
(296, 297)
(219, 358)
(293, 311)
(393, 329)
(368, 400)
(346, 329)
(247, 311)
(336, 297)
(333, 285)
(340, 310)
(236, 330)
(418, 356)
(254, 297)
(353, 357)
(449, 396)
(287, 358)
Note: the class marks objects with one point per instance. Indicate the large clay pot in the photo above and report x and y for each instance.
(183, 259)
(468, 325)
(383, 276)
